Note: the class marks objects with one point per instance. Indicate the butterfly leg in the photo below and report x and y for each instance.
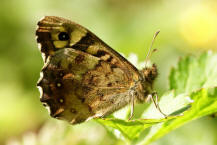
(156, 103)
(132, 106)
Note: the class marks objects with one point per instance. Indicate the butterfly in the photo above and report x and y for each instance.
(82, 77)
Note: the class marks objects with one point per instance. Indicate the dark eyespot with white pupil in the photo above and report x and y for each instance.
(63, 36)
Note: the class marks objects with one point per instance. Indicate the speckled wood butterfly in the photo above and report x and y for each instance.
(83, 77)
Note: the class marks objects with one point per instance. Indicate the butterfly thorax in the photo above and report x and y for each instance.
(146, 82)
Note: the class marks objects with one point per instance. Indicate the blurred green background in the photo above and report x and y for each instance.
(187, 27)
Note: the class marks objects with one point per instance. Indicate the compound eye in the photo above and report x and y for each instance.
(63, 36)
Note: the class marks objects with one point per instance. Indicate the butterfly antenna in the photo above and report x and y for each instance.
(150, 51)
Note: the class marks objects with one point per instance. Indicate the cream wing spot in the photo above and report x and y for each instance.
(93, 49)
(60, 44)
(113, 61)
(39, 45)
(40, 91)
(76, 35)
(105, 57)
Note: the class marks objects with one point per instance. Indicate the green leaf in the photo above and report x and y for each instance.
(205, 103)
(130, 129)
(194, 73)
(193, 94)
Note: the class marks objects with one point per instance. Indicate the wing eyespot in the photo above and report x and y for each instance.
(73, 111)
(63, 36)
(58, 85)
(61, 74)
(61, 100)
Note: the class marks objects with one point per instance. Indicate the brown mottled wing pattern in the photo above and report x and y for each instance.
(82, 77)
